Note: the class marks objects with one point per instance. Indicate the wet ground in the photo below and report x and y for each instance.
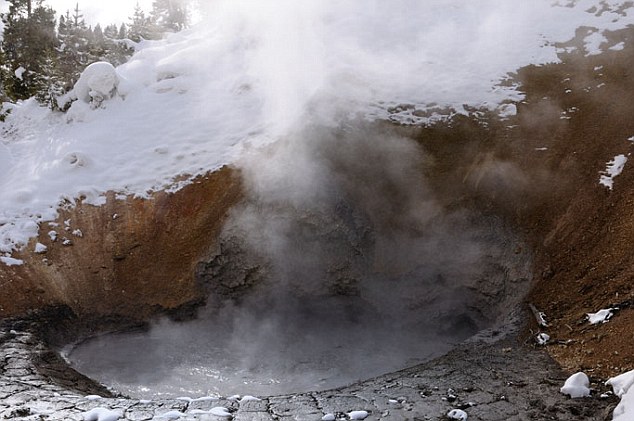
(503, 380)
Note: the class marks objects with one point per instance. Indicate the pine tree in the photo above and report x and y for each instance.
(123, 32)
(74, 53)
(110, 32)
(29, 42)
(170, 15)
(140, 26)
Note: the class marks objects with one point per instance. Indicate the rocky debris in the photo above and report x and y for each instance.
(499, 381)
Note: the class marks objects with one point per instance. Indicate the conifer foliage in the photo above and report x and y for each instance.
(43, 57)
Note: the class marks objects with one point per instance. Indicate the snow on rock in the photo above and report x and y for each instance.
(593, 43)
(172, 415)
(19, 72)
(542, 338)
(328, 417)
(601, 316)
(457, 414)
(97, 82)
(507, 110)
(358, 415)
(577, 386)
(101, 414)
(613, 169)
(220, 411)
(40, 248)
(10, 261)
(249, 398)
(622, 387)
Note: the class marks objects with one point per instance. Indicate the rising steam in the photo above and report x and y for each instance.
(340, 263)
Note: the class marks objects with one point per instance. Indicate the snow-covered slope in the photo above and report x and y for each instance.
(252, 71)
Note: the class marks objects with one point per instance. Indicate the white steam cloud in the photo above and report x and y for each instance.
(340, 259)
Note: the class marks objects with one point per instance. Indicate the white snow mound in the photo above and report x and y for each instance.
(622, 387)
(577, 386)
(457, 414)
(601, 316)
(101, 414)
(98, 81)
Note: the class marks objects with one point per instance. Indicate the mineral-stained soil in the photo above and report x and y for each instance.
(541, 170)
(130, 257)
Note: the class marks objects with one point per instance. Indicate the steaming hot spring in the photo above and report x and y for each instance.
(295, 196)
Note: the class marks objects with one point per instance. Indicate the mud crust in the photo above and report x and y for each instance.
(491, 379)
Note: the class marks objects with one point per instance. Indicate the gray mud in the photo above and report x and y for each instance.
(503, 380)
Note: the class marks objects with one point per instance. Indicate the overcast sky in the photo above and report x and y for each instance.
(96, 11)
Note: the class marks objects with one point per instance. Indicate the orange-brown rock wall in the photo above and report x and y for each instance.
(129, 257)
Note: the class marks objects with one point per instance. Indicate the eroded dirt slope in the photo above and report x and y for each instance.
(129, 257)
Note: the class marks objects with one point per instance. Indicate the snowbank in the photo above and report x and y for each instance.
(622, 387)
(98, 82)
(577, 386)
(613, 169)
(601, 316)
(251, 73)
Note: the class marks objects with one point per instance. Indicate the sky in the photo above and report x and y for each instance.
(103, 12)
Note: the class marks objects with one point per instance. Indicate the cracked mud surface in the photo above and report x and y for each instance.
(503, 380)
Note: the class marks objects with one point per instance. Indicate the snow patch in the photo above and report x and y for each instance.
(593, 43)
(457, 414)
(328, 417)
(19, 72)
(358, 415)
(172, 415)
(97, 82)
(507, 110)
(618, 47)
(40, 248)
(542, 338)
(101, 414)
(249, 398)
(612, 170)
(622, 387)
(220, 411)
(577, 386)
(10, 261)
(601, 316)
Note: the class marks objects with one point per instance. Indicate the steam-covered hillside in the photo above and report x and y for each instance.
(251, 73)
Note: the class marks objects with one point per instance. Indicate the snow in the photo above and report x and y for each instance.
(617, 47)
(577, 386)
(249, 398)
(172, 415)
(613, 169)
(601, 316)
(328, 417)
(358, 415)
(622, 387)
(92, 397)
(101, 414)
(507, 110)
(457, 414)
(542, 338)
(251, 72)
(593, 43)
(40, 248)
(99, 80)
(220, 411)
(19, 72)
(10, 261)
